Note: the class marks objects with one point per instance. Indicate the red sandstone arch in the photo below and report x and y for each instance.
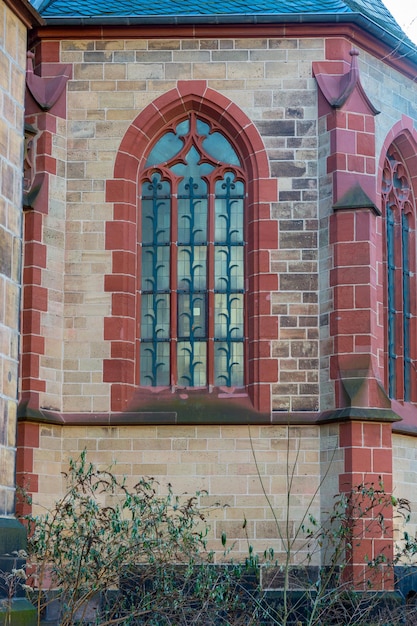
(121, 238)
(404, 136)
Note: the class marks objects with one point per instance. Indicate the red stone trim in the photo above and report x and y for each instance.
(121, 235)
(407, 413)
(34, 302)
(338, 87)
(26, 479)
(368, 461)
(350, 122)
(34, 294)
(46, 91)
(353, 322)
(404, 136)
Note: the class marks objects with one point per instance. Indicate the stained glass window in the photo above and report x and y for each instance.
(399, 211)
(192, 262)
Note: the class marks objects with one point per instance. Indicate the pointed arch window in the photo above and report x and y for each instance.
(400, 254)
(192, 299)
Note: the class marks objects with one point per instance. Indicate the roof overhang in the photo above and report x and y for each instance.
(403, 48)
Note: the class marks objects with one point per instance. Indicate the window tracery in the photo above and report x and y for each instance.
(400, 254)
(192, 259)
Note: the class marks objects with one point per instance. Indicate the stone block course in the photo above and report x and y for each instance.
(225, 474)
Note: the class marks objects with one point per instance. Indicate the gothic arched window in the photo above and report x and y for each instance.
(191, 232)
(400, 254)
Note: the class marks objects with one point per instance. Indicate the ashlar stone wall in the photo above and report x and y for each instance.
(12, 85)
(404, 478)
(224, 461)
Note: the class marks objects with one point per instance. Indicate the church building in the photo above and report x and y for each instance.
(218, 282)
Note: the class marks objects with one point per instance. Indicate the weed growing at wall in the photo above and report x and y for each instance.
(333, 593)
(13, 584)
(110, 554)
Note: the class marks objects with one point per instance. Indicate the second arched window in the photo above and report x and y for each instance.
(400, 237)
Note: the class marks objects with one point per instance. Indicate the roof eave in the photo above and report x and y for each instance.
(223, 18)
(402, 47)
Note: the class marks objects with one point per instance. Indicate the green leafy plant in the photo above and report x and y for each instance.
(110, 554)
(107, 553)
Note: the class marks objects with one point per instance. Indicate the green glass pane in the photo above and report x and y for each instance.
(165, 149)
(156, 187)
(156, 212)
(192, 268)
(228, 364)
(191, 363)
(183, 128)
(228, 268)
(192, 315)
(192, 169)
(155, 318)
(229, 212)
(217, 146)
(155, 268)
(154, 364)
(202, 127)
(237, 188)
(192, 219)
(192, 185)
(228, 316)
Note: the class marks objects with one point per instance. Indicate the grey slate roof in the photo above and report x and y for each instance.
(131, 8)
(370, 14)
(186, 7)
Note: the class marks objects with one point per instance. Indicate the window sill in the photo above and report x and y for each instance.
(407, 411)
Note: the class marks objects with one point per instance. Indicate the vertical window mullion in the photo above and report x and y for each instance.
(399, 308)
(412, 307)
(174, 288)
(391, 302)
